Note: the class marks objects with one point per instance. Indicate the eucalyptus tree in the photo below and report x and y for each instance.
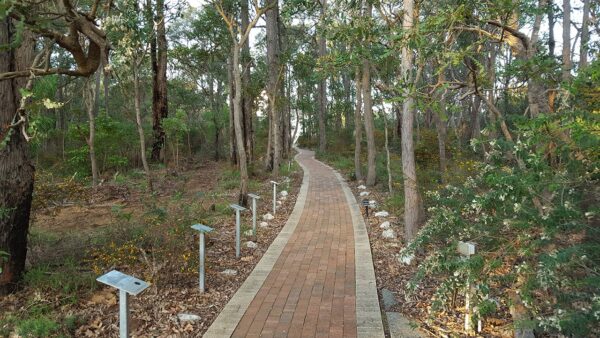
(274, 84)
(566, 41)
(409, 172)
(322, 86)
(238, 38)
(368, 103)
(585, 35)
(131, 33)
(160, 108)
(22, 24)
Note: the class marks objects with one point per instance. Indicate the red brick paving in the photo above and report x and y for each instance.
(310, 292)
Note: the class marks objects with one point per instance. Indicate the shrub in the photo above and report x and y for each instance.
(534, 228)
(37, 327)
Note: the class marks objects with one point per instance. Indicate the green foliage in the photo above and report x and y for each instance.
(37, 327)
(176, 126)
(113, 144)
(66, 280)
(549, 255)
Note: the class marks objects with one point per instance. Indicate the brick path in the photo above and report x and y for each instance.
(310, 290)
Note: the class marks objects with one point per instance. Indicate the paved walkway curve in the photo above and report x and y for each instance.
(309, 282)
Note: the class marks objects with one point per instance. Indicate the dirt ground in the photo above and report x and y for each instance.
(394, 276)
(68, 220)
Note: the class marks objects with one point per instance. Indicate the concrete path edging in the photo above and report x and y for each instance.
(368, 313)
(231, 314)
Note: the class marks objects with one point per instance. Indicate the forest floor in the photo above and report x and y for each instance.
(393, 276)
(79, 233)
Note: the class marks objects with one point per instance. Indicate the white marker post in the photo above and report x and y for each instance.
(127, 285)
(467, 249)
(275, 184)
(237, 209)
(202, 229)
(254, 198)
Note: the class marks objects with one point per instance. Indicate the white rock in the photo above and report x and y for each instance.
(362, 187)
(248, 233)
(188, 317)
(283, 193)
(268, 217)
(372, 203)
(251, 245)
(406, 259)
(364, 193)
(283, 198)
(385, 225)
(389, 233)
(264, 224)
(382, 214)
(279, 202)
(229, 272)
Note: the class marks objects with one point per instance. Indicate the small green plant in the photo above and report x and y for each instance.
(41, 326)
(120, 214)
(71, 322)
(67, 280)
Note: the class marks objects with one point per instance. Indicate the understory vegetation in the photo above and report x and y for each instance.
(123, 122)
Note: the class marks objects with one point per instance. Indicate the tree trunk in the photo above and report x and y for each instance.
(387, 153)
(322, 90)
(97, 92)
(475, 120)
(138, 122)
(551, 40)
(239, 136)
(105, 83)
(536, 89)
(368, 112)
(357, 126)
(16, 169)
(232, 146)
(566, 41)
(411, 194)
(274, 83)
(246, 98)
(90, 102)
(346, 82)
(440, 126)
(491, 97)
(398, 113)
(369, 125)
(585, 35)
(159, 93)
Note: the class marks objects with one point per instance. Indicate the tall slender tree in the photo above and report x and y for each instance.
(274, 79)
(322, 86)
(74, 29)
(566, 41)
(411, 193)
(357, 125)
(368, 110)
(16, 169)
(160, 109)
(585, 35)
(238, 38)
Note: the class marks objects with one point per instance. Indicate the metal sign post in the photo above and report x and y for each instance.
(467, 249)
(127, 285)
(275, 184)
(254, 198)
(202, 229)
(237, 209)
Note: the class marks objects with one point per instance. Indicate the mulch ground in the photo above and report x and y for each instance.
(173, 290)
(394, 276)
